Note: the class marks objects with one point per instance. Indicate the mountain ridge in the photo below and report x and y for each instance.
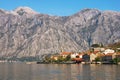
(37, 34)
(30, 10)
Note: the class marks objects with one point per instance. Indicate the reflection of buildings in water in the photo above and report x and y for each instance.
(86, 73)
(79, 72)
(117, 73)
(103, 72)
(110, 72)
(67, 72)
(59, 72)
(79, 68)
(96, 72)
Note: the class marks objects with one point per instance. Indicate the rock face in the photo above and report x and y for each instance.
(24, 32)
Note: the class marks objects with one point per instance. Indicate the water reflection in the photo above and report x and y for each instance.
(20, 71)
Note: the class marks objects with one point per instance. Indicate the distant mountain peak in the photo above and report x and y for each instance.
(3, 11)
(86, 10)
(24, 10)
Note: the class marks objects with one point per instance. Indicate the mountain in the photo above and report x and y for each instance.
(25, 32)
(115, 46)
(24, 10)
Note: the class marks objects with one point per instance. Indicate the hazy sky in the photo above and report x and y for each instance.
(61, 7)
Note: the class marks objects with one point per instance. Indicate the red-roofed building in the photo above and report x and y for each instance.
(117, 55)
(78, 58)
(54, 57)
(74, 55)
(65, 54)
(95, 52)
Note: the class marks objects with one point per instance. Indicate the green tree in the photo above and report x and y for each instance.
(95, 45)
(60, 59)
(101, 45)
(116, 60)
(97, 59)
(68, 58)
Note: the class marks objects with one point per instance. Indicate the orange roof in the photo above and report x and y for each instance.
(118, 54)
(89, 53)
(109, 54)
(95, 52)
(80, 54)
(101, 54)
(65, 53)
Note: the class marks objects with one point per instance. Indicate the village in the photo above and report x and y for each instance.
(96, 55)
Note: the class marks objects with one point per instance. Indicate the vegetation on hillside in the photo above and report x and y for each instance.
(115, 46)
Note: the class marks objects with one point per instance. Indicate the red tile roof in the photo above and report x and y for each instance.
(65, 53)
(118, 54)
(109, 54)
(95, 52)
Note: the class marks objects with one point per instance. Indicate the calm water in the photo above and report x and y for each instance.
(21, 71)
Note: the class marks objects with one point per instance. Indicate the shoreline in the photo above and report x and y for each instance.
(69, 62)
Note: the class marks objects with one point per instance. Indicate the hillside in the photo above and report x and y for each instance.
(24, 32)
(115, 45)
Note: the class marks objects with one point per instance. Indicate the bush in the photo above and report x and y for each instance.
(95, 45)
(116, 60)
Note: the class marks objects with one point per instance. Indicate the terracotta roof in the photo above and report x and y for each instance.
(80, 54)
(65, 53)
(118, 54)
(109, 54)
(95, 52)
(89, 53)
(101, 54)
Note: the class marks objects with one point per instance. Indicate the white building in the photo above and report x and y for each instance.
(74, 55)
(93, 57)
(108, 51)
(99, 49)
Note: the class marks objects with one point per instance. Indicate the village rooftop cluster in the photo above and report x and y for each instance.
(95, 55)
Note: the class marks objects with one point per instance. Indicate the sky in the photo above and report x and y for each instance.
(61, 7)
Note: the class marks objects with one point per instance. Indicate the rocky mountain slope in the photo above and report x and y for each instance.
(24, 32)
